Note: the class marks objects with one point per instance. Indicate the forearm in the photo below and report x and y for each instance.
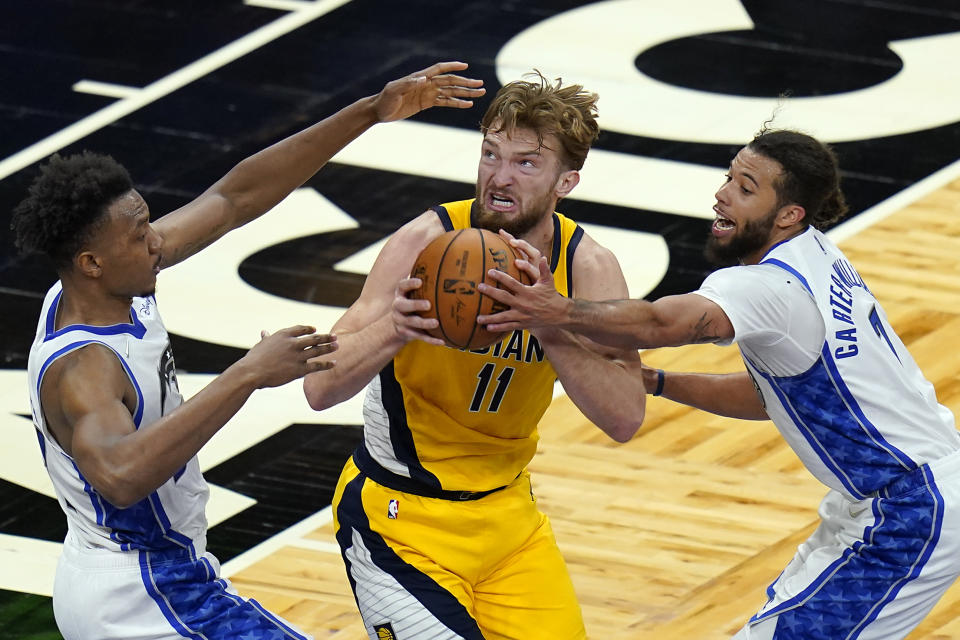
(262, 180)
(360, 357)
(626, 324)
(140, 462)
(616, 403)
(727, 394)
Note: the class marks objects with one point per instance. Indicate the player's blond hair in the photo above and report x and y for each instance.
(569, 112)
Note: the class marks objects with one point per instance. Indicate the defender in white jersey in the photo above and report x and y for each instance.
(117, 439)
(823, 363)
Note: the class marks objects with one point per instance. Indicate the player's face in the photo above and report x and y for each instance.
(746, 210)
(129, 248)
(517, 180)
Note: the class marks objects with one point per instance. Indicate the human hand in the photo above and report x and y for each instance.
(289, 354)
(430, 87)
(531, 306)
(405, 313)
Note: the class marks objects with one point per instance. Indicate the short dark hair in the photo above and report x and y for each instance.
(65, 204)
(811, 175)
(569, 112)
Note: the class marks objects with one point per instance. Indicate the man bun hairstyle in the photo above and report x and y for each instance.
(569, 112)
(810, 178)
(65, 204)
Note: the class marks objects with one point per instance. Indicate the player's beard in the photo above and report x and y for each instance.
(725, 252)
(518, 225)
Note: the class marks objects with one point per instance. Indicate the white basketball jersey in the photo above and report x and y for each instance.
(173, 515)
(863, 414)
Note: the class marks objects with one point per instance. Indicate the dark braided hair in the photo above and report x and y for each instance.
(810, 178)
(66, 202)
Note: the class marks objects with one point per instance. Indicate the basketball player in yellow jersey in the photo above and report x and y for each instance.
(434, 513)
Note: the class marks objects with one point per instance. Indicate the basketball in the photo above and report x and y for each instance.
(450, 267)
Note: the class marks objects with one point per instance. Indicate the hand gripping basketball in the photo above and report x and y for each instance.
(450, 268)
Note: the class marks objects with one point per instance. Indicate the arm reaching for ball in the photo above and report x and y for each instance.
(617, 405)
(381, 321)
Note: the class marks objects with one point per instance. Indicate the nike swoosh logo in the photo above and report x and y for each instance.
(856, 514)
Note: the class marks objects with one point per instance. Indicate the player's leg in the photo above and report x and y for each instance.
(528, 594)
(125, 596)
(406, 560)
(874, 568)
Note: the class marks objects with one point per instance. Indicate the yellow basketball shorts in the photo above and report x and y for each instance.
(485, 569)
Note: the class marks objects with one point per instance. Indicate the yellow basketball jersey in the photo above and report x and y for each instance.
(448, 419)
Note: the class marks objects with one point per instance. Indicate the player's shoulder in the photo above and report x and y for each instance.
(417, 233)
(593, 258)
(93, 366)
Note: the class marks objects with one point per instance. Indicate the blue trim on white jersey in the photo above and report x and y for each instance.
(827, 415)
(783, 265)
(903, 459)
(135, 328)
(808, 431)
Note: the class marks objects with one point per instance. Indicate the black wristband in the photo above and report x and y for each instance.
(659, 389)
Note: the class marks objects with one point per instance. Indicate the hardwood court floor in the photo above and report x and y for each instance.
(675, 534)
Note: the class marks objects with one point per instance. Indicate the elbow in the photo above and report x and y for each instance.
(624, 428)
(314, 393)
(117, 489)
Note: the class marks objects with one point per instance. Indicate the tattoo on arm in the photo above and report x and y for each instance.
(702, 331)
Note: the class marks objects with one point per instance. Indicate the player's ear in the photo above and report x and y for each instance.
(790, 215)
(88, 264)
(566, 181)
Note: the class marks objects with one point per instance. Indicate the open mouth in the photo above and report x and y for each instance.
(500, 201)
(722, 224)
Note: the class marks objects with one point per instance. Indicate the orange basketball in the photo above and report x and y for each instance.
(450, 268)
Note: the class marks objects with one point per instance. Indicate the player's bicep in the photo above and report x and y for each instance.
(93, 390)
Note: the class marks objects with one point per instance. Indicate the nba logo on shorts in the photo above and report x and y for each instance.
(392, 508)
(385, 631)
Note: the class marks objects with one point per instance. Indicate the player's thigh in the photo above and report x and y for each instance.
(530, 595)
(405, 564)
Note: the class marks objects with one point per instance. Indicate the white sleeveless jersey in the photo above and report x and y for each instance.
(863, 414)
(172, 516)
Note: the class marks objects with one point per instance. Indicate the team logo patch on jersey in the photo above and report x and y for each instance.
(393, 508)
(385, 630)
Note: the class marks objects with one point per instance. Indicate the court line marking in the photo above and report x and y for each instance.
(168, 84)
(895, 203)
(282, 5)
(105, 89)
(292, 536)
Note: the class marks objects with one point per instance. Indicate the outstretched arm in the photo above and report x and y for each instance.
(617, 404)
(88, 399)
(261, 181)
(726, 394)
(637, 324)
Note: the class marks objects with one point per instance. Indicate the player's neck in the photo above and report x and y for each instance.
(89, 306)
(541, 236)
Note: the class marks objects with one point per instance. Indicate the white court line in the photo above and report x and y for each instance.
(28, 565)
(316, 545)
(166, 85)
(104, 89)
(895, 203)
(282, 5)
(292, 536)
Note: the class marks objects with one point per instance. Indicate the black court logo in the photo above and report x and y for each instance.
(384, 631)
